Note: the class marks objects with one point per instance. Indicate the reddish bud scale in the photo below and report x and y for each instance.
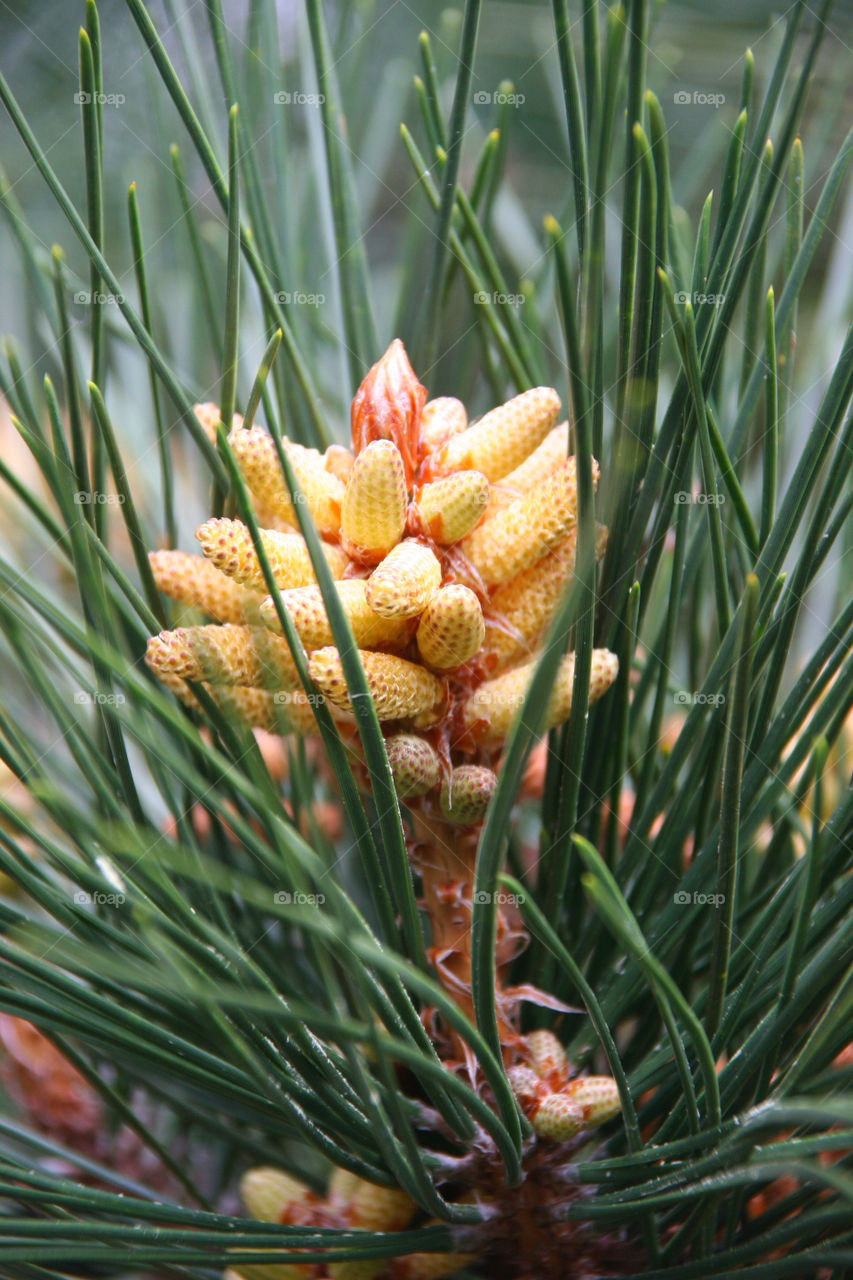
(388, 405)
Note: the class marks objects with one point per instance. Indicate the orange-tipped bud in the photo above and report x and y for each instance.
(597, 1097)
(547, 1058)
(502, 439)
(537, 467)
(400, 690)
(270, 1195)
(451, 629)
(528, 601)
(414, 763)
(225, 654)
(373, 515)
(557, 1118)
(441, 418)
(405, 582)
(518, 535)
(388, 405)
(196, 582)
(228, 545)
(490, 711)
(466, 797)
(255, 453)
(448, 509)
(308, 613)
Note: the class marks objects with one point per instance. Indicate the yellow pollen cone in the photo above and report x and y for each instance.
(226, 654)
(597, 1096)
(373, 514)
(255, 453)
(518, 535)
(504, 437)
(414, 763)
(440, 418)
(537, 467)
(227, 544)
(308, 613)
(490, 711)
(546, 1057)
(451, 629)
(196, 582)
(450, 508)
(405, 582)
(400, 690)
(268, 1193)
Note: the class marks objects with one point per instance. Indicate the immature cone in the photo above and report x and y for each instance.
(388, 405)
(282, 712)
(489, 712)
(442, 417)
(430, 1266)
(533, 470)
(558, 1118)
(451, 629)
(270, 1194)
(504, 437)
(405, 582)
(400, 690)
(466, 797)
(518, 535)
(228, 545)
(373, 514)
(449, 508)
(226, 654)
(547, 1057)
(307, 611)
(414, 763)
(196, 582)
(376, 1208)
(255, 453)
(597, 1096)
(526, 1085)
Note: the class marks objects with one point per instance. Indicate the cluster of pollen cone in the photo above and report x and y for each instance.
(450, 546)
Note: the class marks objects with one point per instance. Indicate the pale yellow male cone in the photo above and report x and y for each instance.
(356, 1269)
(520, 609)
(558, 1118)
(451, 629)
(338, 461)
(269, 1193)
(525, 1084)
(533, 470)
(597, 1096)
(255, 453)
(518, 535)
(431, 1266)
(400, 690)
(373, 514)
(376, 1208)
(195, 582)
(228, 545)
(414, 764)
(307, 611)
(504, 437)
(226, 654)
(547, 1057)
(440, 418)
(465, 798)
(405, 582)
(448, 509)
(342, 1186)
(490, 711)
